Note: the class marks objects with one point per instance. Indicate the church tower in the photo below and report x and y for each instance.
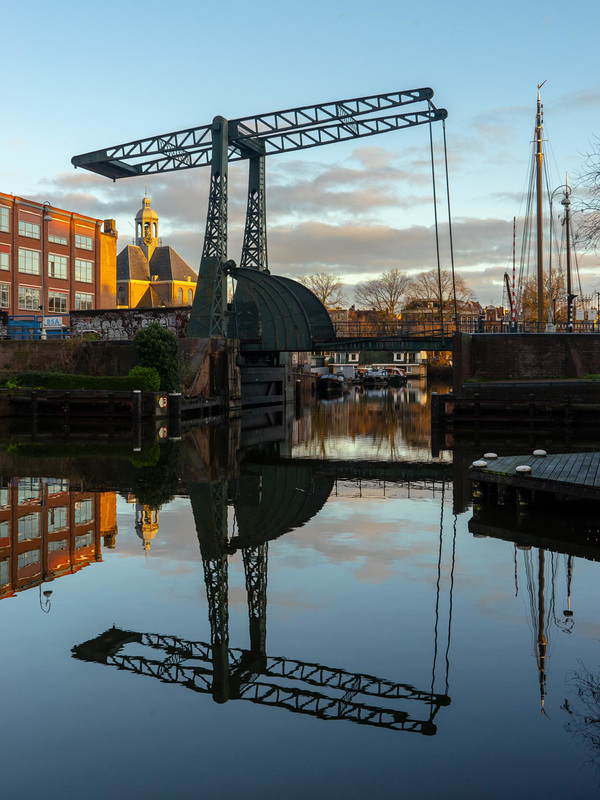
(146, 228)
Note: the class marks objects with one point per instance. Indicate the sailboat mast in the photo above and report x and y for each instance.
(540, 227)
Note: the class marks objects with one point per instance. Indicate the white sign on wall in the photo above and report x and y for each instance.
(53, 322)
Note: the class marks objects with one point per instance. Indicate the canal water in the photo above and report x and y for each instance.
(314, 610)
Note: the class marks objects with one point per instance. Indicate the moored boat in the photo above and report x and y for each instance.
(333, 383)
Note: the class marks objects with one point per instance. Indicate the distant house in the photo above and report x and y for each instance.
(150, 275)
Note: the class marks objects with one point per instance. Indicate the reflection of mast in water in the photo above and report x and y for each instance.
(543, 613)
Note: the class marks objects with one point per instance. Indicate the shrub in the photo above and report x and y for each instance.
(157, 347)
(149, 375)
(57, 380)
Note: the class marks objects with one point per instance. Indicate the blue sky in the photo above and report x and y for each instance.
(80, 78)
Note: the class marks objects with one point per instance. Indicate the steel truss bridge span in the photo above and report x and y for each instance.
(252, 139)
(296, 686)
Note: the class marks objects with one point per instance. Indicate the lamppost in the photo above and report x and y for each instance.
(46, 217)
(551, 325)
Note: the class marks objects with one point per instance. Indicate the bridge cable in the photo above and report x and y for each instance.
(437, 597)
(437, 234)
(456, 322)
(451, 593)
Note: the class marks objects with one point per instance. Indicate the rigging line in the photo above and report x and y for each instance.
(456, 325)
(437, 597)
(450, 603)
(437, 233)
(526, 240)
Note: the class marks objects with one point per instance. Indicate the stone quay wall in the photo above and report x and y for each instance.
(523, 357)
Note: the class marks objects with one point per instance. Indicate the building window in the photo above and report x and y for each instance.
(57, 485)
(29, 261)
(4, 572)
(84, 242)
(4, 496)
(190, 296)
(28, 558)
(399, 357)
(352, 356)
(5, 529)
(4, 219)
(60, 544)
(83, 302)
(30, 229)
(180, 296)
(121, 295)
(57, 518)
(29, 490)
(29, 298)
(83, 270)
(57, 266)
(83, 511)
(29, 527)
(84, 540)
(57, 239)
(4, 295)
(57, 302)
(4, 258)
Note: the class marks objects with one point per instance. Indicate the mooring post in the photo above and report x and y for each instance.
(136, 413)
(174, 415)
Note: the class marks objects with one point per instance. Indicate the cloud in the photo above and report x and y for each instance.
(355, 217)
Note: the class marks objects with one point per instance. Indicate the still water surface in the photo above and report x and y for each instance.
(310, 615)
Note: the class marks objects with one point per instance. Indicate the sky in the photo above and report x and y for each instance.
(83, 77)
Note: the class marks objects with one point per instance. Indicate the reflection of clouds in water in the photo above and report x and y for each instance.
(376, 540)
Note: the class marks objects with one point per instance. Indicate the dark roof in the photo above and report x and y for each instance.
(132, 264)
(169, 266)
(150, 299)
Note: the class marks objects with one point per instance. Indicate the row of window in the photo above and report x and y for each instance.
(30, 489)
(31, 557)
(30, 299)
(32, 231)
(58, 266)
(29, 524)
(406, 358)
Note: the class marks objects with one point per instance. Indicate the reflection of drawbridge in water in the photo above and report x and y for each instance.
(268, 502)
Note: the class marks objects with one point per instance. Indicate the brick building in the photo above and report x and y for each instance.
(150, 274)
(48, 530)
(53, 260)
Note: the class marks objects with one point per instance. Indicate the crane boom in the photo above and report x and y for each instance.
(251, 138)
(275, 132)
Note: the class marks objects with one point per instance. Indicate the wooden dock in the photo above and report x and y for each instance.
(569, 475)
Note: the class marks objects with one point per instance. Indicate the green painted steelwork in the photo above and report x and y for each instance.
(275, 314)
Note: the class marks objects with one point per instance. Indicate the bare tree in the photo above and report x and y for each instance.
(384, 294)
(528, 298)
(424, 290)
(585, 712)
(328, 288)
(588, 202)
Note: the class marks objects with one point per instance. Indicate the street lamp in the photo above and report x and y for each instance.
(551, 326)
(45, 603)
(46, 217)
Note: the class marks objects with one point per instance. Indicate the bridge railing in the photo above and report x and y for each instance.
(398, 328)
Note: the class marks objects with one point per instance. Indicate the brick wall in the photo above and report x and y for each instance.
(524, 356)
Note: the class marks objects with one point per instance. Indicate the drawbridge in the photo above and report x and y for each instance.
(271, 313)
(268, 502)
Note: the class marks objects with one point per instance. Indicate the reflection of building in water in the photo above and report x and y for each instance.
(146, 520)
(146, 523)
(47, 530)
